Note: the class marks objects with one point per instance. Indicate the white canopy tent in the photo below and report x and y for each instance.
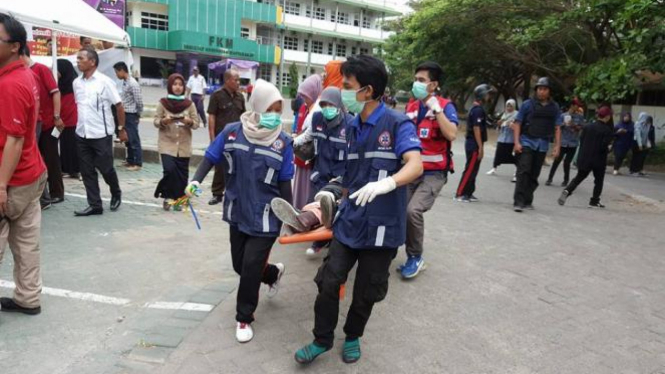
(72, 16)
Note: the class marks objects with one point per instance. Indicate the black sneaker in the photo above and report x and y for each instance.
(563, 197)
(529, 207)
(215, 200)
(45, 204)
(8, 305)
(473, 199)
(518, 208)
(564, 184)
(549, 182)
(596, 205)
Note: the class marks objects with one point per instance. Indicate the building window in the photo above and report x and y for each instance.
(354, 51)
(305, 45)
(364, 51)
(330, 49)
(308, 11)
(341, 50)
(244, 32)
(366, 23)
(285, 81)
(317, 46)
(291, 43)
(269, 2)
(320, 13)
(343, 18)
(154, 21)
(291, 7)
(265, 72)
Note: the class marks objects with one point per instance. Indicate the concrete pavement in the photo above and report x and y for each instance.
(555, 290)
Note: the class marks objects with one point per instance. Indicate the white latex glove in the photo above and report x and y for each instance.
(433, 104)
(371, 190)
(193, 189)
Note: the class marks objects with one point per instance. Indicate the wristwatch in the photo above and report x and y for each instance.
(120, 128)
(56, 117)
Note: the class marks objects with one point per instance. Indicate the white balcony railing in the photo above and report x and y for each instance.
(342, 29)
(316, 58)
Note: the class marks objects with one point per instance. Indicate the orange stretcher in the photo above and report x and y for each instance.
(320, 234)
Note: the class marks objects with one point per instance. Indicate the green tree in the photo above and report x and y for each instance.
(293, 83)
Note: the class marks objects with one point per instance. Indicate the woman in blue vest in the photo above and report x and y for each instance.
(328, 132)
(257, 157)
(383, 157)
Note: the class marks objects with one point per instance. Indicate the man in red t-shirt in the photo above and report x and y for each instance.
(22, 171)
(49, 117)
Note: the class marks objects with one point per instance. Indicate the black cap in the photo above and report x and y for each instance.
(543, 82)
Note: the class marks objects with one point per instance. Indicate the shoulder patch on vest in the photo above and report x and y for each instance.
(385, 139)
(342, 133)
(232, 136)
(278, 145)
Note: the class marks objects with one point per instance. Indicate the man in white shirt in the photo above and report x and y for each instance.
(196, 87)
(95, 94)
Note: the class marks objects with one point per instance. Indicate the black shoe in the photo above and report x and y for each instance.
(57, 200)
(45, 204)
(8, 305)
(215, 200)
(564, 184)
(529, 207)
(596, 205)
(89, 211)
(563, 197)
(115, 202)
(549, 182)
(74, 175)
(518, 208)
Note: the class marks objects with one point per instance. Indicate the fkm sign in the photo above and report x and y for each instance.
(220, 42)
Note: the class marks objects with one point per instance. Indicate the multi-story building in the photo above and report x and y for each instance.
(174, 35)
(315, 32)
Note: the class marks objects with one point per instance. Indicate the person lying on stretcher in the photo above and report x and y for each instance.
(319, 213)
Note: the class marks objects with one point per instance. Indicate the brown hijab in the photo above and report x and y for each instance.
(171, 103)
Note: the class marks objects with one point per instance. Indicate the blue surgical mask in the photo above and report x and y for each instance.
(419, 90)
(350, 102)
(270, 120)
(329, 112)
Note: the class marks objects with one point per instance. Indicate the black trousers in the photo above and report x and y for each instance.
(467, 185)
(370, 287)
(250, 261)
(566, 155)
(620, 154)
(637, 163)
(529, 164)
(97, 154)
(48, 147)
(598, 181)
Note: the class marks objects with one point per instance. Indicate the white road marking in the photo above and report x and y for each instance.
(139, 203)
(85, 296)
(195, 307)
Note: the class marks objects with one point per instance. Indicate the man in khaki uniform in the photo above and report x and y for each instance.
(22, 170)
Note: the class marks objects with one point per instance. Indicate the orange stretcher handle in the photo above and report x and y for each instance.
(320, 234)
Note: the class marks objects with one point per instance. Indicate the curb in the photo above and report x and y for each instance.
(151, 154)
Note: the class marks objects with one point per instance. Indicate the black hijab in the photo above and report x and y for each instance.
(67, 76)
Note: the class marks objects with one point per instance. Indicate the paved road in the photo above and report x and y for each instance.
(556, 290)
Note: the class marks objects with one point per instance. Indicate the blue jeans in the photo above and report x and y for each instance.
(134, 152)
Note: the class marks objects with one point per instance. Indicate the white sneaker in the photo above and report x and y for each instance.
(312, 251)
(514, 180)
(492, 171)
(274, 288)
(616, 172)
(244, 332)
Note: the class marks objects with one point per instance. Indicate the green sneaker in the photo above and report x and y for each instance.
(351, 352)
(309, 353)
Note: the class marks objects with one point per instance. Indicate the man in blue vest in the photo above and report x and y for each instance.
(383, 156)
(537, 122)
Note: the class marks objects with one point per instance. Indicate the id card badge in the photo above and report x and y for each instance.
(55, 133)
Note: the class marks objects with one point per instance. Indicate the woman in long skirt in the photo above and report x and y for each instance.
(69, 161)
(176, 117)
(504, 145)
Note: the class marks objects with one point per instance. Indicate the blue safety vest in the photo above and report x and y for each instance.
(329, 148)
(381, 223)
(252, 173)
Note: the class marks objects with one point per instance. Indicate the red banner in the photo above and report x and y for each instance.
(68, 44)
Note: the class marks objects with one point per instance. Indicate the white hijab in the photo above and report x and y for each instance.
(265, 94)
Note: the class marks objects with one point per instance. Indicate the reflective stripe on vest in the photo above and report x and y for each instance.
(319, 135)
(229, 159)
(274, 155)
(432, 158)
(241, 147)
(381, 155)
(228, 212)
(337, 140)
(266, 218)
(313, 176)
(269, 175)
(380, 235)
(352, 156)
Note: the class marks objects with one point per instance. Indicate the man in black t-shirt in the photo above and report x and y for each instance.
(476, 136)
